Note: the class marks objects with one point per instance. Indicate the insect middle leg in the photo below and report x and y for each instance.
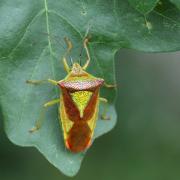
(104, 114)
(40, 120)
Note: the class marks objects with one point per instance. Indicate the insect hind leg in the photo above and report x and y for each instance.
(104, 114)
(40, 120)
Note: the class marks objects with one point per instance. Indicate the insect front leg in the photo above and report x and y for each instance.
(87, 52)
(69, 47)
(104, 114)
(39, 122)
(38, 82)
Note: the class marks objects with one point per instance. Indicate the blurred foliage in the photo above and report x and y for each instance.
(145, 143)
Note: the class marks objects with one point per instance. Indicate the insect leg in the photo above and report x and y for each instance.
(104, 114)
(87, 52)
(69, 47)
(66, 66)
(109, 85)
(53, 82)
(40, 120)
(38, 82)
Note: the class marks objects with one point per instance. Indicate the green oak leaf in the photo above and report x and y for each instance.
(143, 6)
(176, 3)
(31, 47)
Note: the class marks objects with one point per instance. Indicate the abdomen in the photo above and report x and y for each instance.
(79, 137)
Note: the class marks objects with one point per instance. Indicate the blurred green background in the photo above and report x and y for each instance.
(145, 144)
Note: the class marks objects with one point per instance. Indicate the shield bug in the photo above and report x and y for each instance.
(79, 103)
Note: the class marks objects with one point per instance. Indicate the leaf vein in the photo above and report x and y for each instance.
(26, 91)
(99, 66)
(49, 41)
(166, 17)
(22, 38)
(69, 23)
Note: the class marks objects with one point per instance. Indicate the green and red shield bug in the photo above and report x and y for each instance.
(79, 103)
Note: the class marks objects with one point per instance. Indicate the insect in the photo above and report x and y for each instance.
(79, 102)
